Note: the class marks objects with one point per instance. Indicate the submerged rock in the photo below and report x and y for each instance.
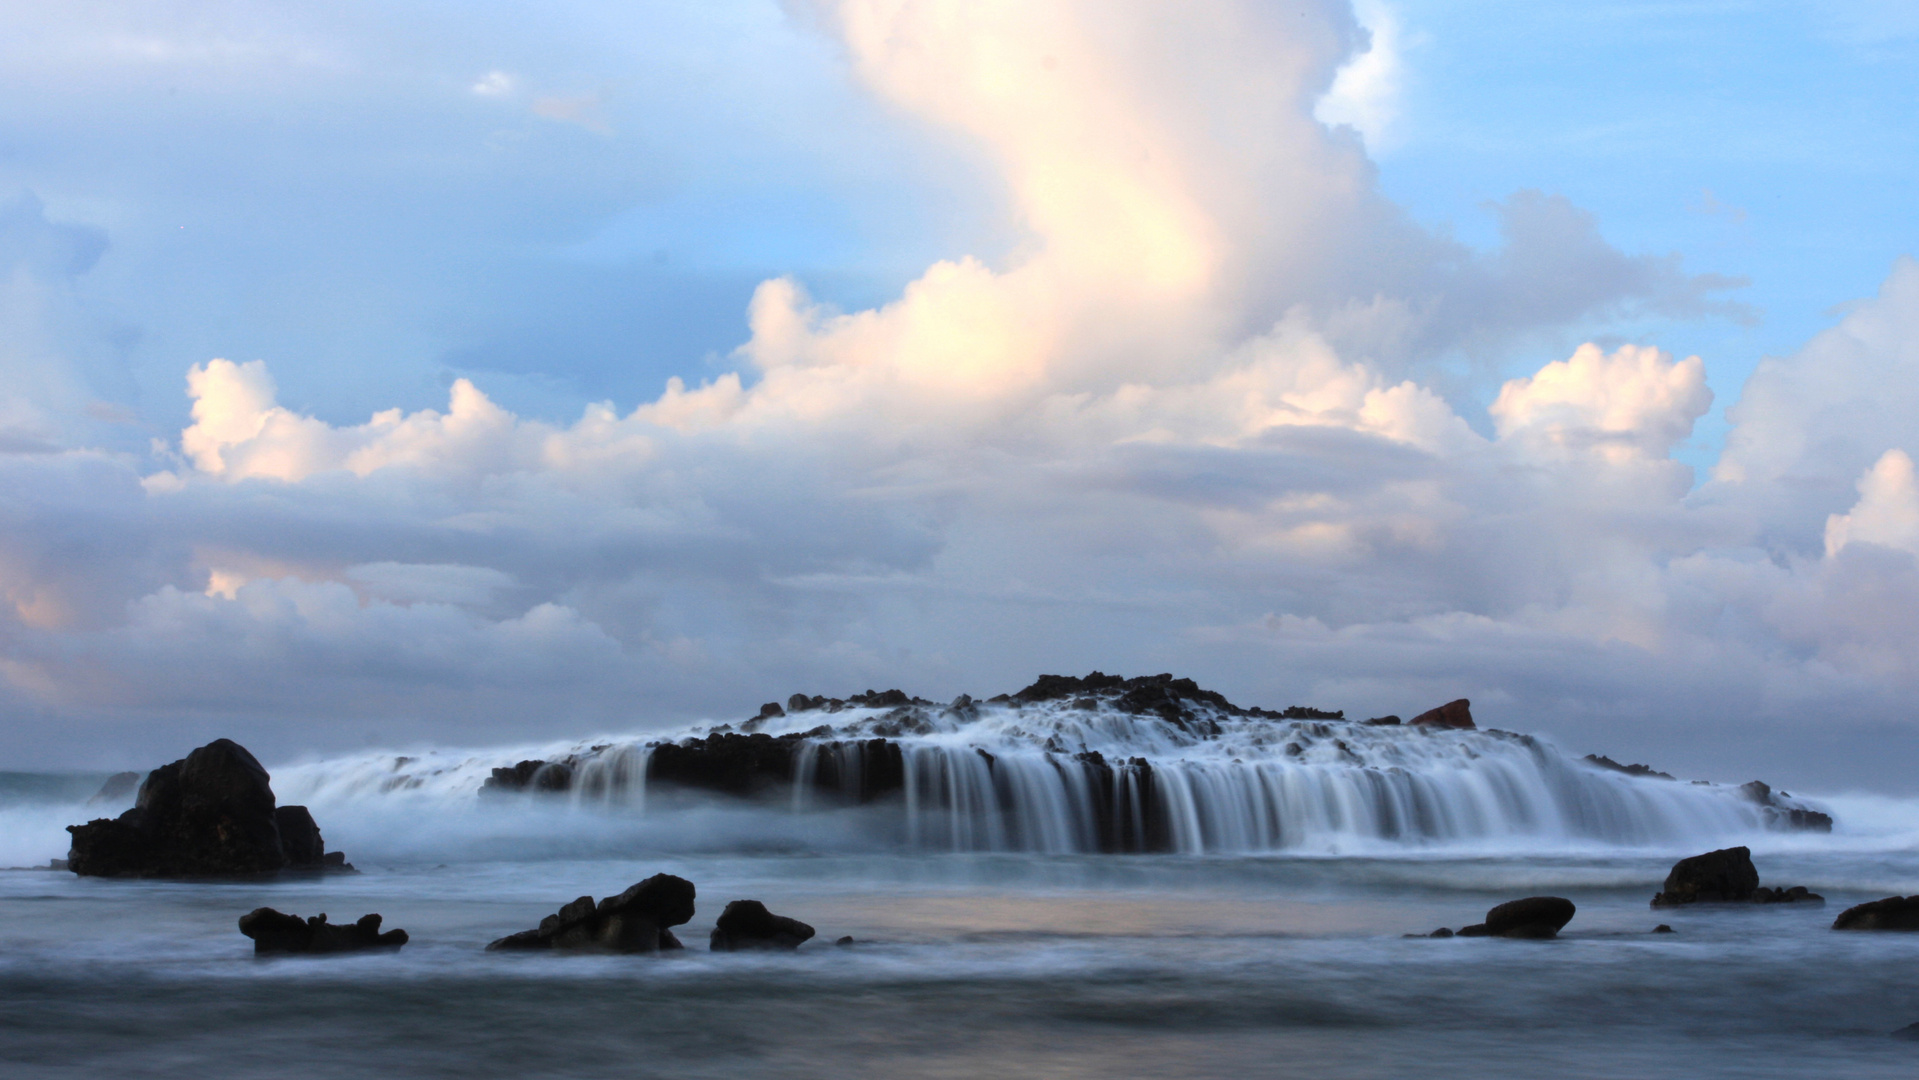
(1909, 1033)
(210, 814)
(1892, 913)
(747, 925)
(277, 932)
(1726, 876)
(636, 921)
(1535, 917)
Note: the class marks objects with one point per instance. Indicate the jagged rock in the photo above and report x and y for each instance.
(636, 921)
(1391, 720)
(276, 932)
(1453, 714)
(533, 775)
(1782, 811)
(210, 814)
(1892, 913)
(117, 788)
(1605, 762)
(747, 925)
(1797, 894)
(1717, 877)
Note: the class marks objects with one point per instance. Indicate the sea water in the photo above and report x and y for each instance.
(1288, 961)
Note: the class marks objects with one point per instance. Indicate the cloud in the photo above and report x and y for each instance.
(1191, 421)
(1365, 93)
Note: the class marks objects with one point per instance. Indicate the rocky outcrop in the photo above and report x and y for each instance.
(1453, 714)
(1782, 811)
(1892, 913)
(638, 920)
(1607, 763)
(275, 932)
(1535, 918)
(210, 814)
(747, 925)
(1726, 876)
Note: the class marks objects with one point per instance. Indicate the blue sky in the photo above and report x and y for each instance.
(945, 341)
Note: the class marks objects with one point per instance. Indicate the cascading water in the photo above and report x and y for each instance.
(1094, 773)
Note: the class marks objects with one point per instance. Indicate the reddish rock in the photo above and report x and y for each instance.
(1453, 714)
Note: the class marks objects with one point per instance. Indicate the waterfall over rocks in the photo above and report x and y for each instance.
(1109, 764)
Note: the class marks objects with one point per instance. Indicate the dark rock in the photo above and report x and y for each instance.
(1533, 917)
(550, 777)
(1605, 762)
(1442, 932)
(1909, 1033)
(746, 924)
(1662, 928)
(635, 921)
(1717, 877)
(1892, 913)
(1453, 714)
(276, 932)
(1782, 811)
(299, 836)
(1798, 894)
(770, 710)
(845, 941)
(210, 814)
(1386, 721)
(1477, 929)
(116, 789)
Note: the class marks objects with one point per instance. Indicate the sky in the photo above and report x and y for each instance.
(432, 373)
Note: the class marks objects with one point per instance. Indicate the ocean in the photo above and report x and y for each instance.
(989, 947)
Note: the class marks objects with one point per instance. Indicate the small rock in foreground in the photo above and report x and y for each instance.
(746, 924)
(1892, 913)
(636, 921)
(275, 932)
(1535, 917)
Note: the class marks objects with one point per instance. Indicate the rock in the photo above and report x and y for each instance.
(1782, 811)
(635, 921)
(746, 924)
(210, 814)
(1453, 714)
(1892, 913)
(1909, 1033)
(116, 789)
(770, 710)
(1605, 762)
(845, 941)
(1477, 929)
(1798, 894)
(1533, 917)
(1717, 877)
(1391, 720)
(276, 932)
(1662, 928)
(1442, 932)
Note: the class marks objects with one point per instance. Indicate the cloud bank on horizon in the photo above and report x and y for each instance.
(1202, 417)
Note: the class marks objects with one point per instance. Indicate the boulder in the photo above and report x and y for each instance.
(1892, 913)
(1453, 714)
(1533, 917)
(275, 932)
(635, 921)
(746, 924)
(1717, 877)
(210, 814)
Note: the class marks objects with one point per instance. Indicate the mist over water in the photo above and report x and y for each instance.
(990, 938)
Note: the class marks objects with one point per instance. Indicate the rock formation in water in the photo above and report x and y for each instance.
(275, 932)
(117, 788)
(1726, 876)
(1892, 913)
(1116, 764)
(210, 814)
(747, 925)
(636, 921)
(1535, 918)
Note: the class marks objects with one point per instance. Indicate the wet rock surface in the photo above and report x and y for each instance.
(1892, 913)
(746, 925)
(1534, 917)
(1726, 876)
(638, 920)
(274, 932)
(210, 814)
(1454, 714)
